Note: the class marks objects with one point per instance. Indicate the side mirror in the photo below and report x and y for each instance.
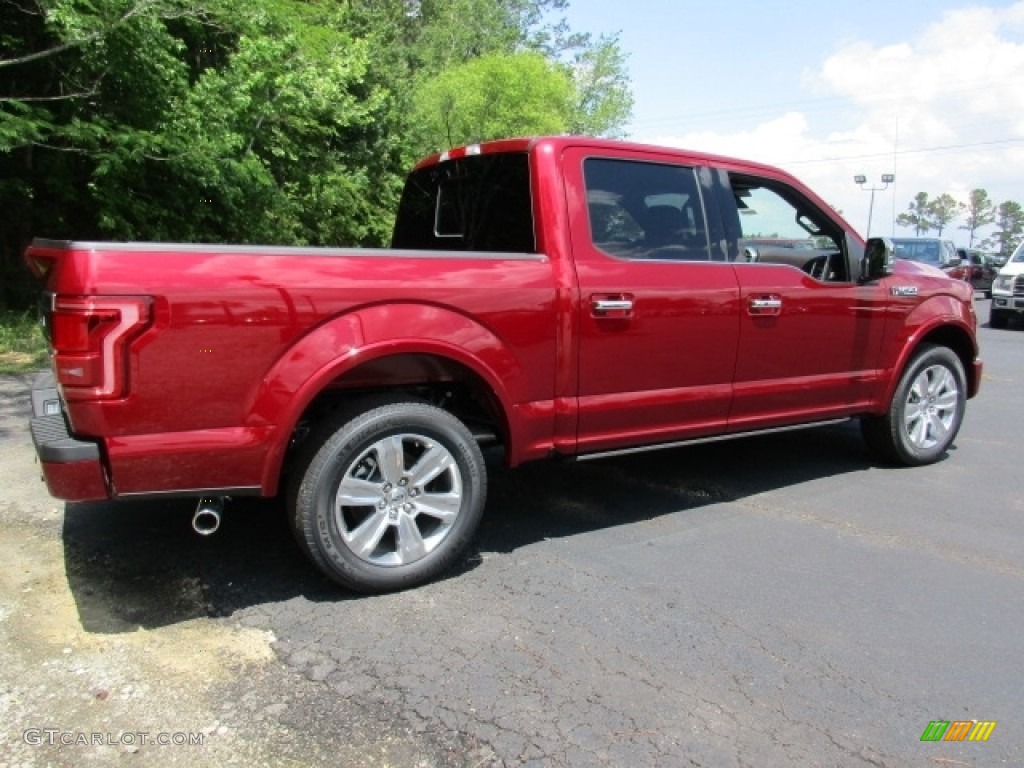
(878, 259)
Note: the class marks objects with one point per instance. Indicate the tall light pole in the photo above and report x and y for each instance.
(887, 179)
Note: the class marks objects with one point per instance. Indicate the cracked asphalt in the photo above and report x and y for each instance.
(778, 601)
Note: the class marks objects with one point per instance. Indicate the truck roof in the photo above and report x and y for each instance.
(558, 143)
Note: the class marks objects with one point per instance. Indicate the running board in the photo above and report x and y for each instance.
(712, 439)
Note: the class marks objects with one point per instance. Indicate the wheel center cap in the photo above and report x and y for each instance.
(398, 496)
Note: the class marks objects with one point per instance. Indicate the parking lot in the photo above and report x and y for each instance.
(777, 601)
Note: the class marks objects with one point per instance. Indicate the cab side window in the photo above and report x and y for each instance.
(776, 226)
(642, 210)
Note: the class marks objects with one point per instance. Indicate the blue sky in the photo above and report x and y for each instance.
(932, 91)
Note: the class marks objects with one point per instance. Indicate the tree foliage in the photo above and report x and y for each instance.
(918, 215)
(1009, 227)
(979, 212)
(278, 121)
(924, 215)
(943, 210)
(603, 101)
(491, 96)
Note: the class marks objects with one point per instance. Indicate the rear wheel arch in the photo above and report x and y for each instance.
(341, 354)
(431, 378)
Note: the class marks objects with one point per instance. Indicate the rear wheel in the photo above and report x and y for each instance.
(926, 410)
(388, 498)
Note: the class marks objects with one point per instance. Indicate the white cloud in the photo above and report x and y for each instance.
(785, 135)
(943, 109)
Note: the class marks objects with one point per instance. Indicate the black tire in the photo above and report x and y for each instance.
(422, 482)
(926, 411)
(997, 319)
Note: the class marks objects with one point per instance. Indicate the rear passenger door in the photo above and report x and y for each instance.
(657, 315)
(809, 333)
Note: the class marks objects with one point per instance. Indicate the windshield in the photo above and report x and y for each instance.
(1018, 255)
(913, 249)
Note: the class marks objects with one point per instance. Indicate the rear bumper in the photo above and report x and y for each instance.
(72, 468)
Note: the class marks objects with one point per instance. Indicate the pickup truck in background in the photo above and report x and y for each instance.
(548, 297)
(935, 251)
(981, 269)
(1008, 290)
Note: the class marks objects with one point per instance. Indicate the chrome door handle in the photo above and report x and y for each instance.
(612, 305)
(765, 305)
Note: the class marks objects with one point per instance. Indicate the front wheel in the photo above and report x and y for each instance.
(926, 410)
(997, 319)
(389, 498)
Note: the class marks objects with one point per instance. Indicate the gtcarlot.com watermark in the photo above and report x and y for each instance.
(55, 737)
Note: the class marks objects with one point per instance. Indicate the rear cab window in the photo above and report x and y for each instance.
(473, 203)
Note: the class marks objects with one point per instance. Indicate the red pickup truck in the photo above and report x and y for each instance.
(548, 297)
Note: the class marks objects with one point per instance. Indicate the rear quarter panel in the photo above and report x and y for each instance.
(242, 337)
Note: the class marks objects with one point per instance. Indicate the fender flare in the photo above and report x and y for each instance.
(944, 313)
(348, 341)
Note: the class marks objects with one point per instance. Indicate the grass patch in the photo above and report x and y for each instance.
(22, 345)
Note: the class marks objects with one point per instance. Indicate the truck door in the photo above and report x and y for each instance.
(810, 334)
(658, 306)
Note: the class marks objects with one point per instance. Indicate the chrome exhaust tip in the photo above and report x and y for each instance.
(206, 520)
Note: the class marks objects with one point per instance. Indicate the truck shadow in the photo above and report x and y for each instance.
(541, 501)
(140, 564)
(135, 564)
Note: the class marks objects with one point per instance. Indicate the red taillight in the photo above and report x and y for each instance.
(89, 337)
(73, 330)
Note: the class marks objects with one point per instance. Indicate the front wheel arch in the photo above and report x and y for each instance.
(926, 409)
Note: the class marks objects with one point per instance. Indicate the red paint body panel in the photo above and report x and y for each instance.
(815, 359)
(239, 341)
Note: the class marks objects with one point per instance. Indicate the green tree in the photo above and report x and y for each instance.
(451, 33)
(447, 32)
(74, 74)
(943, 210)
(493, 96)
(191, 120)
(604, 101)
(1009, 227)
(980, 212)
(918, 215)
(264, 149)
